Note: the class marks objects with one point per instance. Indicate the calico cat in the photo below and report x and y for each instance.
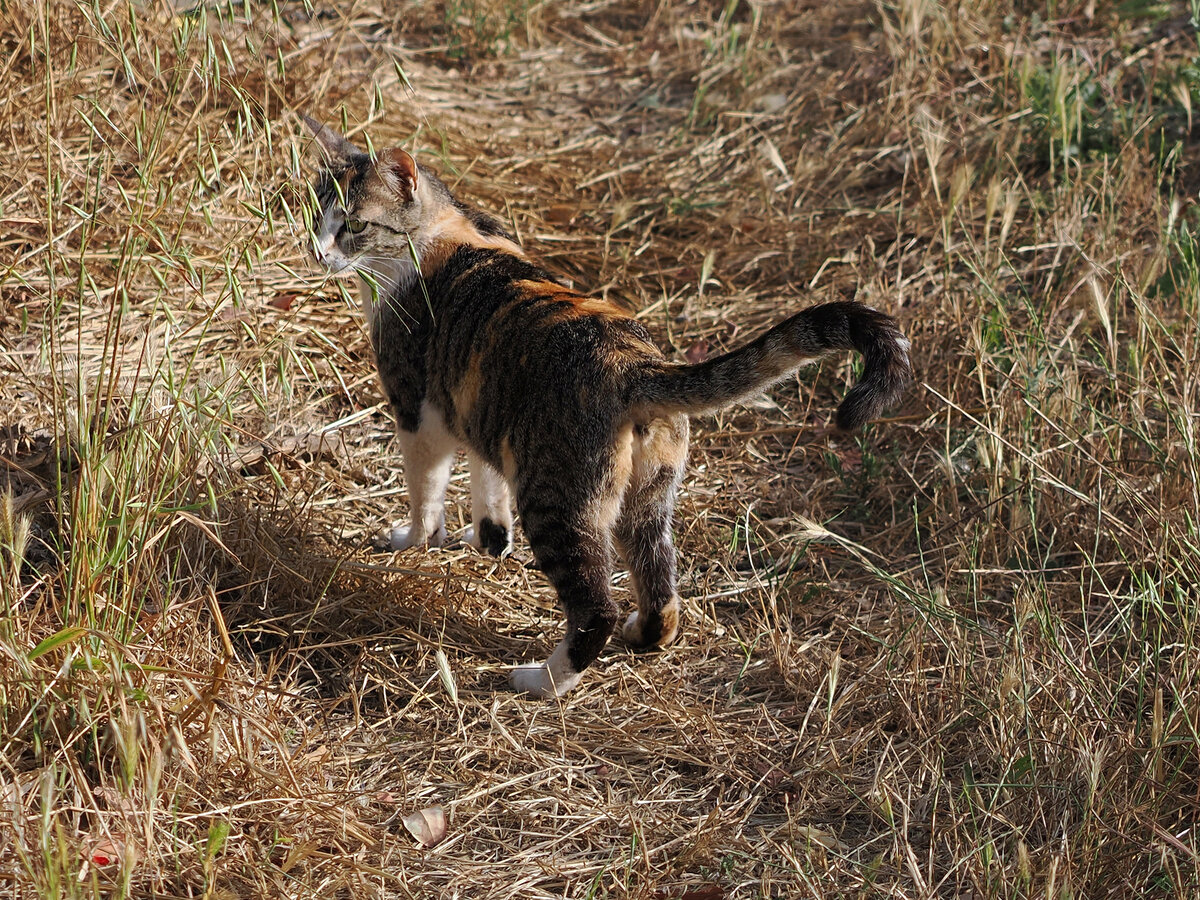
(560, 398)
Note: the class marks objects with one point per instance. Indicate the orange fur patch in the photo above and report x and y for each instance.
(466, 392)
(451, 230)
(608, 504)
(547, 289)
(508, 462)
(598, 307)
(670, 622)
(579, 304)
(661, 444)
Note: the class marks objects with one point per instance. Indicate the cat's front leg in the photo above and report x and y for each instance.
(491, 509)
(428, 455)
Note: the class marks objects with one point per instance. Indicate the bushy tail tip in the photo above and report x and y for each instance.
(886, 373)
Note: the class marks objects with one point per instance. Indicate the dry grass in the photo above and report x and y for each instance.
(955, 656)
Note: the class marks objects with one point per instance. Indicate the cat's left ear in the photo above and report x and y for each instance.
(398, 170)
(334, 147)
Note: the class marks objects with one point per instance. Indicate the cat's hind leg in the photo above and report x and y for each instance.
(428, 456)
(579, 566)
(491, 509)
(643, 532)
(568, 510)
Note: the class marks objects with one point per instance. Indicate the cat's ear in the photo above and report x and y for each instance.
(398, 170)
(334, 147)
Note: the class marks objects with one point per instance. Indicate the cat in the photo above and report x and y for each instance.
(561, 400)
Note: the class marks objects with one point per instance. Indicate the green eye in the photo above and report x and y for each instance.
(354, 226)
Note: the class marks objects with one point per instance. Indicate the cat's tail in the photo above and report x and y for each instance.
(804, 338)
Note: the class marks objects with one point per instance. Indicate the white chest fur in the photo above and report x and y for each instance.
(387, 277)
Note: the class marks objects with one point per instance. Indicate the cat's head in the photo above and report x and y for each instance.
(367, 209)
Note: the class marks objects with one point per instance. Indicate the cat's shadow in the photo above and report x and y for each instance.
(356, 625)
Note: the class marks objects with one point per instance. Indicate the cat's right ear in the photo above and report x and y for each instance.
(398, 170)
(334, 147)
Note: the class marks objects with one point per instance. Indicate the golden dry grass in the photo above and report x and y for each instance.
(954, 656)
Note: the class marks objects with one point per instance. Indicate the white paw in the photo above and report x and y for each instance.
(533, 679)
(553, 678)
(403, 538)
(400, 538)
(469, 537)
(632, 629)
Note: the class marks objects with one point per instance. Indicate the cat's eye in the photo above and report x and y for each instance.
(355, 226)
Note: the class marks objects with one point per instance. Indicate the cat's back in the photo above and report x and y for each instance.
(499, 299)
(509, 336)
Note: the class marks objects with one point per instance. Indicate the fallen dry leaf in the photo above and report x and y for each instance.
(820, 837)
(283, 300)
(561, 214)
(428, 826)
(311, 446)
(104, 852)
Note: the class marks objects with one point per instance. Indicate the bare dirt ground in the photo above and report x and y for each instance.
(954, 656)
